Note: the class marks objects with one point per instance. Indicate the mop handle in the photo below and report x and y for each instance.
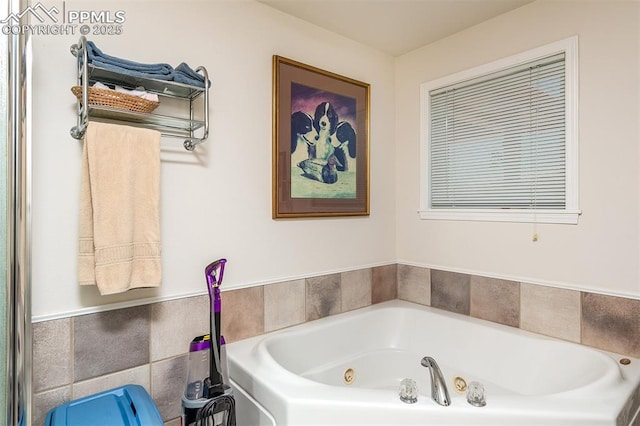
(213, 286)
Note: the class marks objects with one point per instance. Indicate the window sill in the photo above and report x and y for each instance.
(567, 217)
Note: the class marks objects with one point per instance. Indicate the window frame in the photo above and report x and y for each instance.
(571, 212)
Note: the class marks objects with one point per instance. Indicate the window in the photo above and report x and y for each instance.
(499, 142)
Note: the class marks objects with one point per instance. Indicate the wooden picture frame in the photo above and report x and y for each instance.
(320, 142)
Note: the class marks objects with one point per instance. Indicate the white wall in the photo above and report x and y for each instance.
(216, 202)
(601, 252)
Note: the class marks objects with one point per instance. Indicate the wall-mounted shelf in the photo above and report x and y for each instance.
(179, 127)
(193, 131)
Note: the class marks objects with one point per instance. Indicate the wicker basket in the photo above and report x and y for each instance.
(113, 99)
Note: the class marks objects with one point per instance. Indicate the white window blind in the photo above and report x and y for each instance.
(498, 141)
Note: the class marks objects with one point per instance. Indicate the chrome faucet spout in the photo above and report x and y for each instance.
(439, 391)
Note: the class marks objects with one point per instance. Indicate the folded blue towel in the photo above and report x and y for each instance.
(129, 72)
(102, 60)
(184, 74)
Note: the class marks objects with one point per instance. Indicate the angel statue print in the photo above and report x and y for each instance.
(323, 144)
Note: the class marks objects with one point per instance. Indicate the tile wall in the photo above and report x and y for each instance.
(147, 345)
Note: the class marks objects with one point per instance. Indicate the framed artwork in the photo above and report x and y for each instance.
(320, 142)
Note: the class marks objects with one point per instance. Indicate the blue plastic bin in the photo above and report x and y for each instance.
(129, 405)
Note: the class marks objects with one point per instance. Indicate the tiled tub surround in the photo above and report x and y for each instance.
(147, 345)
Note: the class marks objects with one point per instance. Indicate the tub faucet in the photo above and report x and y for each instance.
(439, 391)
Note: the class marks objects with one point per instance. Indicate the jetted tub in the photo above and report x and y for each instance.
(346, 370)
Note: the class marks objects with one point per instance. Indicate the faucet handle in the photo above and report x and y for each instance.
(476, 395)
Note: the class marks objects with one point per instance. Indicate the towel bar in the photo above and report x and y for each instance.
(168, 125)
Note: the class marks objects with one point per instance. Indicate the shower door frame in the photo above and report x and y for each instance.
(18, 116)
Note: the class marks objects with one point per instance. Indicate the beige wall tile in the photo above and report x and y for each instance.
(136, 376)
(495, 300)
(550, 311)
(284, 304)
(384, 283)
(175, 323)
(242, 313)
(414, 284)
(168, 381)
(52, 360)
(611, 323)
(356, 289)
(323, 296)
(450, 291)
(110, 341)
(45, 401)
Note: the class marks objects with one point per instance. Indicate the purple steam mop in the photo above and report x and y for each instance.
(216, 385)
(217, 405)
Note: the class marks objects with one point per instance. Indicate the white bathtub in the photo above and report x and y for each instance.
(295, 376)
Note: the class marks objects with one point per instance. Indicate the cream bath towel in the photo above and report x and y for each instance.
(119, 208)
